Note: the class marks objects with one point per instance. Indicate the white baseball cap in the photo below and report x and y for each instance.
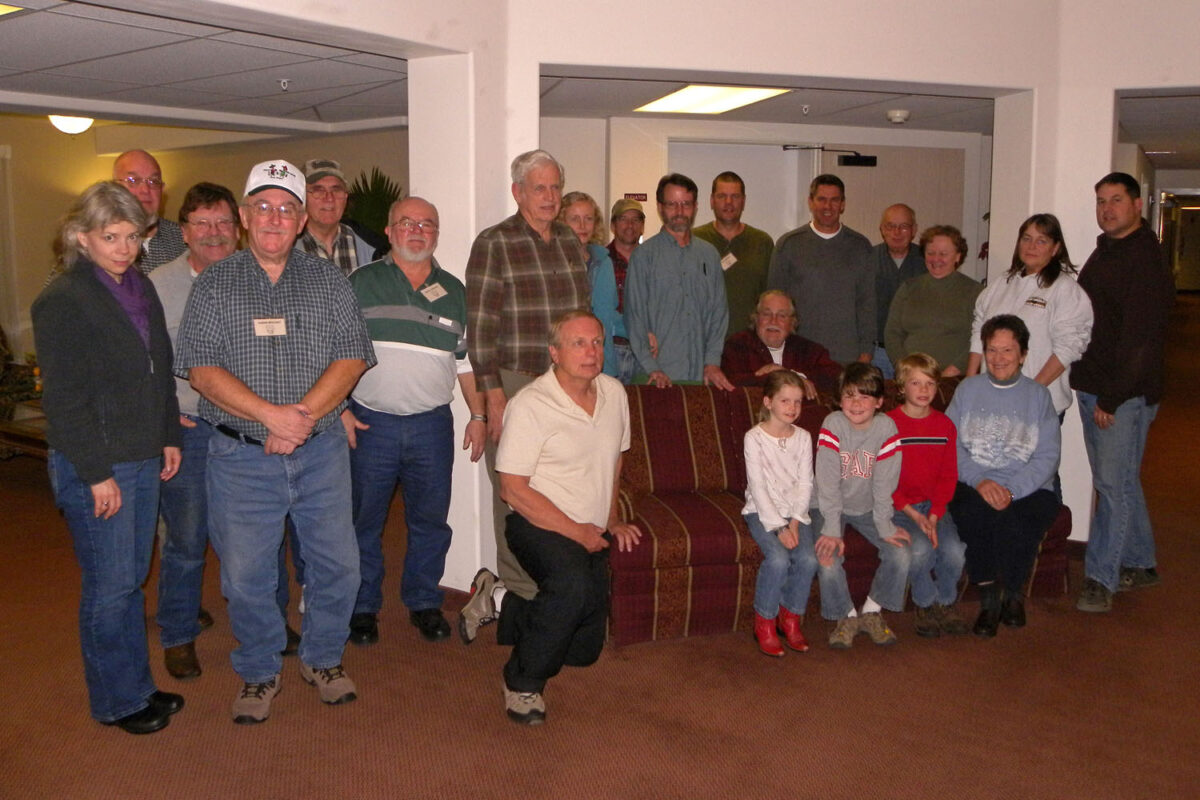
(276, 174)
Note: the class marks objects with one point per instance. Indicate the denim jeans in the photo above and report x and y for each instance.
(1121, 535)
(249, 495)
(282, 596)
(184, 506)
(626, 364)
(785, 576)
(879, 358)
(891, 576)
(114, 556)
(831, 580)
(418, 451)
(564, 622)
(946, 560)
(1002, 545)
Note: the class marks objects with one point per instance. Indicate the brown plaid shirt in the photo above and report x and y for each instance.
(344, 255)
(517, 285)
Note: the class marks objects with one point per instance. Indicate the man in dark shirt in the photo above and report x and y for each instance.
(771, 344)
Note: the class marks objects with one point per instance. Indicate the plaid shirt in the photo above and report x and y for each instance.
(517, 285)
(323, 325)
(344, 256)
(165, 245)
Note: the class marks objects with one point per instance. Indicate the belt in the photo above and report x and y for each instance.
(236, 434)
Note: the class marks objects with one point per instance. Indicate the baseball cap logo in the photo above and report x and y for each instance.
(279, 171)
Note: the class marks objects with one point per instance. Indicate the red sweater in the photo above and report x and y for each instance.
(929, 469)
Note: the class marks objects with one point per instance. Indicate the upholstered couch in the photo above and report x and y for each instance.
(683, 484)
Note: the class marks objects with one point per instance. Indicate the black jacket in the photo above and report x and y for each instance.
(106, 399)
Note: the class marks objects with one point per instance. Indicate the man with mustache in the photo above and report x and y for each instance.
(676, 292)
(209, 225)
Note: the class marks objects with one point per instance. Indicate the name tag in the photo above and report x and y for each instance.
(433, 291)
(270, 326)
(728, 261)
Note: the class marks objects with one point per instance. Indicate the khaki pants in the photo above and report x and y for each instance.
(515, 578)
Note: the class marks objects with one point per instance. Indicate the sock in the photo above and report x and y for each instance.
(871, 607)
(852, 614)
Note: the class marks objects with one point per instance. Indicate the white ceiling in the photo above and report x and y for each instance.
(113, 64)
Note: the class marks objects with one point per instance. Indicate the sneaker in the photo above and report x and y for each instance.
(843, 633)
(526, 708)
(927, 622)
(253, 703)
(950, 621)
(873, 625)
(333, 682)
(480, 609)
(1095, 597)
(1138, 578)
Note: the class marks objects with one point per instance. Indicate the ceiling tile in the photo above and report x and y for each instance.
(145, 21)
(172, 96)
(45, 39)
(305, 76)
(380, 62)
(281, 45)
(333, 94)
(191, 60)
(389, 94)
(63, 85)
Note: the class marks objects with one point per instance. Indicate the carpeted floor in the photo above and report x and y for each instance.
(1073, 706)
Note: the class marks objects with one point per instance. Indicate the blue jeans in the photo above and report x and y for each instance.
(831, 580)
(1121, 535)
(626, 365)
(785, 576)
(184, 507)
(249, 495)
(946, 560)
(891, 576)
(114, 556)
(880, 359)
(418, 451)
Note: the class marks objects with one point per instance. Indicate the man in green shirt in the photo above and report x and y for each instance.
(745, 251)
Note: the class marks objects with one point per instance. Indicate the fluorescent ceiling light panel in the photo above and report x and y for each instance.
(696, 99)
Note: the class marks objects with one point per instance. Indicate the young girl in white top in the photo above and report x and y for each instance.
(779, 481)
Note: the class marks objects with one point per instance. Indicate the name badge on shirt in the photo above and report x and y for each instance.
(433, 291)
(728, 261)
(270, 326)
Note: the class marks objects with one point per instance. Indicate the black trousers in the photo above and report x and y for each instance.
(564, 622)
(1002, 545)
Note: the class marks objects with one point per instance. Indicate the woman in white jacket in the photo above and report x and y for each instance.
(1040, 288)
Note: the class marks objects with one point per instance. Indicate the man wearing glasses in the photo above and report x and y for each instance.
(326, 236)
(399, 422)
(139, 172)
(894, 261)
(676, 293)
(273, 340)
(210, 229)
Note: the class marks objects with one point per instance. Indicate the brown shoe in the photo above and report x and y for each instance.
(181, 661)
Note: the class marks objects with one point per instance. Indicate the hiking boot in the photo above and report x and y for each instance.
(927, 623)
(334, 684)
(1138, 578)
(843, 633)
(874, 626)
(950, 622)
(1095, 597)
(181, 661)
(253, 703)
(526, 708)
(480, 609)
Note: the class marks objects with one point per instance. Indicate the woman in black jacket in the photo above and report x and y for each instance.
(113, 431)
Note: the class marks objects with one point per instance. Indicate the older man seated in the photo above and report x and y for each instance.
(771, 343)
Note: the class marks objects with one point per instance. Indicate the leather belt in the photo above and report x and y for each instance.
(236, 434)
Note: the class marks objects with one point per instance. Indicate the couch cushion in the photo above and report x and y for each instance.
(681, 529)
(681, 441)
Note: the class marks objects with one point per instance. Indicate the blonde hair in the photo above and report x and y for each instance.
(600, 231)
(916, 362)
(101, 204)
(774, 382)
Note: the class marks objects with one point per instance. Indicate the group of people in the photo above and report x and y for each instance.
(281, 391)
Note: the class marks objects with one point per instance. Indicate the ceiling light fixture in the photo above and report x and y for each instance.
(699, 99)
(898, 116)
(7, 9)
(71, 125)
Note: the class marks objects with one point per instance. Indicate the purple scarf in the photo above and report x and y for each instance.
(131, 296)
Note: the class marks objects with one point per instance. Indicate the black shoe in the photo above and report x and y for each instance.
(167, 702)
(987, 623)
(181, 661)
(293, 643)
(205, 619)
(431, 623)
(150, 719)
(364, 629)
(1012, 612)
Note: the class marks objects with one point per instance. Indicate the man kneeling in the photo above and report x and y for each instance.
(559, 461)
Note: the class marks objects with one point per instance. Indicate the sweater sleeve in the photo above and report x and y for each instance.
(1037, 472)
(801, 494)
(885, 477)
(1070, 321)
(829, 480)
(947, 476)
(893, 332)
(864, 295)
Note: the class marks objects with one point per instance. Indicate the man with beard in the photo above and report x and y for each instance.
(771, 344)
(399, 422)
(208, 219)
(676, 292)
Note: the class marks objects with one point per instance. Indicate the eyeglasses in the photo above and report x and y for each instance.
(264, 209)
(902, 226)
(133, 181)
(774, 314)
(320, 192)
(209, 224)
(409, 225)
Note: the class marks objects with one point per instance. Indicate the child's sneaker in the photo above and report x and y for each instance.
(843, 633)
(874, 626)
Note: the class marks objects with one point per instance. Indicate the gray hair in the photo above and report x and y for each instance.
(101, 204)
(525, 163)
